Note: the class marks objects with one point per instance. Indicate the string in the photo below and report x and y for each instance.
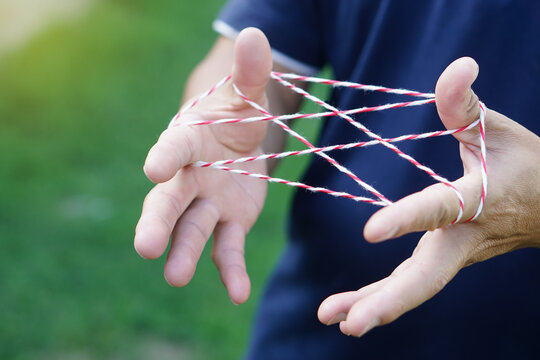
(331, 160)
(371, 134)
(379, 199)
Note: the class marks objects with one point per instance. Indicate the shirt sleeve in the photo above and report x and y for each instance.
(293, 28)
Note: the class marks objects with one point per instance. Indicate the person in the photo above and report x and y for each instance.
(489, 310)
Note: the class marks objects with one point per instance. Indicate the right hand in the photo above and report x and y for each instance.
(188, 204)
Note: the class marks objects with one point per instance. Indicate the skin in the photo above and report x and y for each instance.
(188, 204)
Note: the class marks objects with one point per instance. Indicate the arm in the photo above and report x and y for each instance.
(189, 204)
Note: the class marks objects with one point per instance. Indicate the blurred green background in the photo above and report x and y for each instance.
(82, 99)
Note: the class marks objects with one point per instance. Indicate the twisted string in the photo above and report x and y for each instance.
(482, 124)
(372, 135)
(196, 101)
(334, 147)
(287, 117)
(380, 200)
(331, 160)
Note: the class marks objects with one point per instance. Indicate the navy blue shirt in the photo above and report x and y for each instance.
(490, 310)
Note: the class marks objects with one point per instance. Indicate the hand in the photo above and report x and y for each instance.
(189, 204)
(510, 219)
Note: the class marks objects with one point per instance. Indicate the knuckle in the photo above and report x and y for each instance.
(210, 208)
(192, 256)
(436, 279)
(445, 210)
(439, 282)
(195, 230)
(236, 267)
(174, 203)
(233, 252)
(228, 257)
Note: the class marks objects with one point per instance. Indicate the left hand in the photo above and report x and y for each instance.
(510, 219)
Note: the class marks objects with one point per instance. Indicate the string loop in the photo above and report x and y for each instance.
(378, 198)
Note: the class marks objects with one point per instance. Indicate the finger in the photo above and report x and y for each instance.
(189, 238)
(162, 207)
(457, 104)
(414, 282)
(175, 148)
(335, 308)
(434, 207)
(252, 63)
(228, 255)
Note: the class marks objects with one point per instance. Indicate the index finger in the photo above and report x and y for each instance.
(434, 207)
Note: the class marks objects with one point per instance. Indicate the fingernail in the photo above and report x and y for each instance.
(337, 318)
(371, 325)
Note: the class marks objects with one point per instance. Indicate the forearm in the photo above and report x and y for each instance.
(215, 66)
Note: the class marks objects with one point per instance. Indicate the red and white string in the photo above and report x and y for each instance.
(379, 199)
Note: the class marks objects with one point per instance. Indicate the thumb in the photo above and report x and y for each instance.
(457, 104)
(252, 63)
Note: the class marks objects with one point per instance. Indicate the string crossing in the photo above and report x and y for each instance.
(378, 198)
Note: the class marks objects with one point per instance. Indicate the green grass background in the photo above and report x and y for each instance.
(80, 105)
